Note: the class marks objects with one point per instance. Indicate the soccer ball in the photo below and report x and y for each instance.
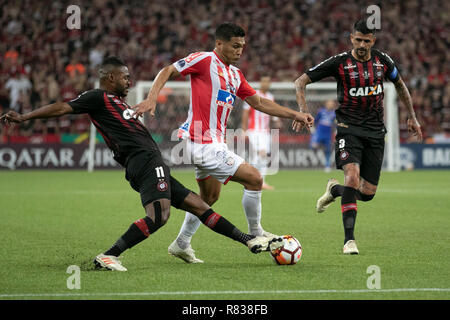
(289, 253)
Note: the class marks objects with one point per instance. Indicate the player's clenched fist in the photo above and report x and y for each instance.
(302, 119)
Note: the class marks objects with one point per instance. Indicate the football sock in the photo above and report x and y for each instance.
(349, 210)
(190, 225)
(219, 224)
(337, 190)
(137, 232)
(251, 201)
(364, 197)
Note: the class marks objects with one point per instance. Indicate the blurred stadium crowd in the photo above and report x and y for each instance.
(43, 62)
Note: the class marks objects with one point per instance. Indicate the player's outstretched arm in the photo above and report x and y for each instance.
(300, 93)
(274, 109)
(405, 98)
(49, 111)
(149, 104)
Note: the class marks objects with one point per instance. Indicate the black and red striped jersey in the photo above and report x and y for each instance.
(359, 89)
(111, 115)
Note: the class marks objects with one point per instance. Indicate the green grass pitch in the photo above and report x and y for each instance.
(53, 219)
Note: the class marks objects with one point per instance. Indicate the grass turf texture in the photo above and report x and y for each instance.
(53, 219)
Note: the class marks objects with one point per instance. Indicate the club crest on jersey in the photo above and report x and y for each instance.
(162, 185)
(353, 74)
(343, 155)
(366, 91)
(225, 99)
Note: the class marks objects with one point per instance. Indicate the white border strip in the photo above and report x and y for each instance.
(190, 293)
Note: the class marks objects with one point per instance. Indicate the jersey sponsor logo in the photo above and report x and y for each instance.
(376, 64)
(127, 114)
(350, 66)
(366, 91)
(183, 130)
(225, 99)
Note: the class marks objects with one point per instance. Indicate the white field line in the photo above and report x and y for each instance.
(209, 293)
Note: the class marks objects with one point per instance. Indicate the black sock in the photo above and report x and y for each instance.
(364, 197)
(137, 232)
(219, 224)
(349, 210)
(337, 190)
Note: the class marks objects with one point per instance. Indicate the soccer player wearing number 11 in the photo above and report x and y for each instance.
(134, 149)
(360, 134)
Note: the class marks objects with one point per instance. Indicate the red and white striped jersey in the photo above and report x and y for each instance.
(214, 87)
(257, 120)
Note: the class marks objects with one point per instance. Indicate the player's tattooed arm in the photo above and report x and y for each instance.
(405, 98)
(49, 111)
(300, 91)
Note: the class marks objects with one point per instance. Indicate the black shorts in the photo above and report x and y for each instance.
(150, 176)
(367, 152)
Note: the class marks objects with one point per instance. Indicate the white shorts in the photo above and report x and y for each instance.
(213, 160)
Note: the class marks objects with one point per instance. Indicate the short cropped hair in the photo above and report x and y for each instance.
(361, 26)
(108, 64)
(226, 31)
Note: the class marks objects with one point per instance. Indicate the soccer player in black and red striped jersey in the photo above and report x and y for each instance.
(359, 147)
(134, 148)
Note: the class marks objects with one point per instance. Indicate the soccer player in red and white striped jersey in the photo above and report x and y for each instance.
(256, 125)
(215, 85)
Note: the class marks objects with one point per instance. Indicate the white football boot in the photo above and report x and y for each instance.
(109, 262)
(350, 247)
(260, 244)
(326, 199)
(187, 255)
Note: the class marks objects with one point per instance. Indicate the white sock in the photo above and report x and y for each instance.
(190, 225)
(251, 201)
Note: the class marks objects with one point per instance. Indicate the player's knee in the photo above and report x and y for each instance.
(352, 181)
(255, 182)
(165, 215)
(159, 212)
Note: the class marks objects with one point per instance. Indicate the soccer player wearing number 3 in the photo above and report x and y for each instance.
(215, 85)
(360, 127)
